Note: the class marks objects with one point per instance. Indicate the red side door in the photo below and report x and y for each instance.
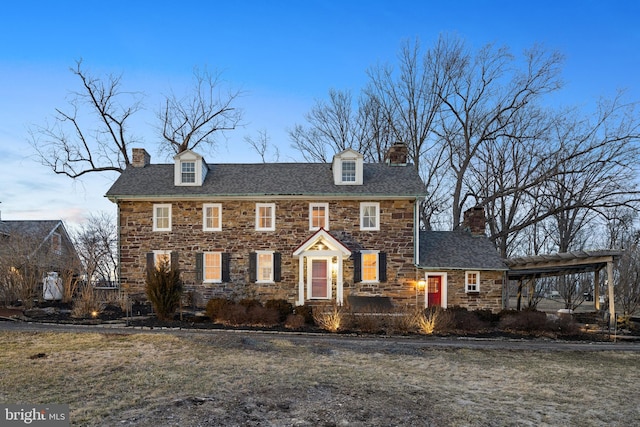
(434, 291)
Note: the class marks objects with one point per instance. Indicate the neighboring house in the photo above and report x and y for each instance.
(32, 249)
(305, 232)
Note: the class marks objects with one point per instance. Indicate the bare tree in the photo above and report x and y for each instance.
(96, 244)
(200, 117)
(93, 134)
(261, 145)
(484, 95)
(333, 126)
(410, 99)
(597, 173)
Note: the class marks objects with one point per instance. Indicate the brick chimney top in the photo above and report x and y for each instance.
(474, 221)
(397, 154)
(140, 158)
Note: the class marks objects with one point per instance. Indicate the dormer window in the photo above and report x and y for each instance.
(188, 172)
(347, 168)
(190, 169)
(348, 171)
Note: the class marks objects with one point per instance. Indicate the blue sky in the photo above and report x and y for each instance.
(283, 54)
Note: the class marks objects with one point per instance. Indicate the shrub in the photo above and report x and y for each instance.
(306, 311)
(329, 319)
(564, 325)
(283, 307)
(87, 304)
(425, 321)
(524, 321)
(215, 306)
(368, 322)
(402, 322)
(234, 314)
(465, 320)
(294, 321)
(259, 315)
(249, 303)
(164, 290)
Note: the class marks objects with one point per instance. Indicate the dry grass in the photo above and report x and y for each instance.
(239, 379)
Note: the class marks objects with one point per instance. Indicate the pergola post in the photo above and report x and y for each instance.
(612, 305)
(596, 290)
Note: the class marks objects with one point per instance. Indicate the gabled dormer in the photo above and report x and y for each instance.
(347, 167)
(190, 169)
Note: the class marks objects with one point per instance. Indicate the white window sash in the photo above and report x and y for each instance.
(160, 208)
(217, 225)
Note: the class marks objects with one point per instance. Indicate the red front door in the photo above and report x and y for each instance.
(434, 290)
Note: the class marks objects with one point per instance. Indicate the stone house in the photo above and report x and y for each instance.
(309, 233)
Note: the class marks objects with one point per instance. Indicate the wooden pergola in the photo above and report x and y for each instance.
(529, 268)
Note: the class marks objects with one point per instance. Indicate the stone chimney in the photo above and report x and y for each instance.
(397, 155)
(140, 158)
(474, 221)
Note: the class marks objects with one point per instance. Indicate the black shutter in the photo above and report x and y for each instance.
(357, 267)
(382, 267)
(174, 260)
(199, 266)
(226, 270)
(252, 266)
(277, 267)
(151, 260)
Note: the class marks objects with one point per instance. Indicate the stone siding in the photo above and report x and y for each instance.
(488, 298)
(239, 237)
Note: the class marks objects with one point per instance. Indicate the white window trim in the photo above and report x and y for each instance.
(216, 227)
(355, 171)
(377, 269)
(195, 172)
(326, 215)
(270, 279)
(364, 205)
(466, 282)
(155, 218)
(273, 216)
(204, 267)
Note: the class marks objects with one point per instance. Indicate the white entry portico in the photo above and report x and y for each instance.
(320, 268)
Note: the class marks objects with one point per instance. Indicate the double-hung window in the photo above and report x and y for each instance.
(370, 266)
(370, 216)
(318, 216)
(265, 266)
(472, 281)
(212, 267)
(265, 216)
(348, 171)
(212, 217)
(162, 217)
(188, 172)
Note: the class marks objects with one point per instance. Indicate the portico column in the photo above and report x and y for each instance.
(301, 280)
(339, 287)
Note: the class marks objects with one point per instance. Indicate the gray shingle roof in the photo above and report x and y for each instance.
(458, 250)
(35, 228)
(268, 179)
